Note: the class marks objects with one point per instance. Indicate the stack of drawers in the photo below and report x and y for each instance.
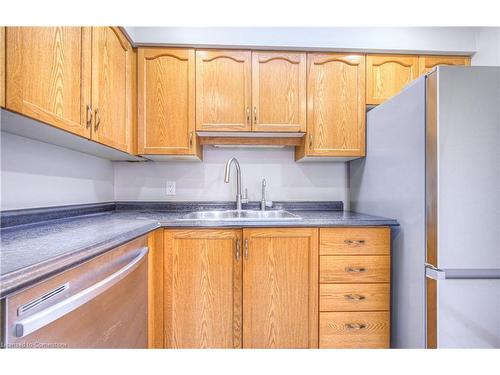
(354, 278)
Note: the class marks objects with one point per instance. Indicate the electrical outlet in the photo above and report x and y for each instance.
(171, 188)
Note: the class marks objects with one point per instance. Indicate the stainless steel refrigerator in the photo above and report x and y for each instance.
(433, 163)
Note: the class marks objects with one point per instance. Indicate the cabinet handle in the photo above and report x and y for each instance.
(248, 115)
(354, 242)
(89, 116)
(246, 248)
(310, 140)
(254, 115)
(355, 326)
(355, 270)
(354, 297)
(191, 140)
(97, 119)
(238, 249)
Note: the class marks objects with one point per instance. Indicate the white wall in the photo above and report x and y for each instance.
(487, 46)
(37, 174)
(286, 179)
(442, 40)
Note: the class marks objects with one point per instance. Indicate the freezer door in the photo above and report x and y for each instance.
(468, 313)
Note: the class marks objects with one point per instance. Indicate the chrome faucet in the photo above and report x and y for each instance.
(263, 202)
(239, 198)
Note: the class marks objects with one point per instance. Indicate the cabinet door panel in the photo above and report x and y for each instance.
(48, 75)
(278, 91)
(202, 289)
(111, 87)
(427, 63)
(386, 75)
(223, 90)
(166, 101)
(280, 288)
(336, 106)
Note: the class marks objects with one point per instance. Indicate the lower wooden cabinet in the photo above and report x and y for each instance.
(270, 288)
(202, 288)
(280, 288)
(232, 288)
(354, 276)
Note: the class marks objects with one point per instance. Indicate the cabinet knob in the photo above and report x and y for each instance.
(355, 270)
(354, 297)
(355, 326)
(254, 115)
(248, 115)
(310, 140)
(191, 140)
(354, 242)
(246, 248)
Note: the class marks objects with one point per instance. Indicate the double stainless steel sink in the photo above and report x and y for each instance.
(241, 215)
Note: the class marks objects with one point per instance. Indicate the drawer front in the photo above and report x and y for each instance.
(354, 330)
(354, 297)
(354, 241)
(354, 269)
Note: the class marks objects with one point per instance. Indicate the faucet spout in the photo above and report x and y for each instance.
(227, 175)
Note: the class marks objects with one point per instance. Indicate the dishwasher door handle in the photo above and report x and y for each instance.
(44, 317)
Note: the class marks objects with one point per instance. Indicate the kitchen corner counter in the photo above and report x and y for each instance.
(34, 251)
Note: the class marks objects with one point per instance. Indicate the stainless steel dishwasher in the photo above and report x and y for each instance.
(101, 303)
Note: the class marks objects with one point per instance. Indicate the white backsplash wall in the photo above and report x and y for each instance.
(38, 174)
(204, 181)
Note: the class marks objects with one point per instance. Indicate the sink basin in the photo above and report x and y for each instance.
(243, 215)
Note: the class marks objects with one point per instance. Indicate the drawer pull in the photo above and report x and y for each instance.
(355, 270)
(355, 326)
(354, 242)
(354, 297)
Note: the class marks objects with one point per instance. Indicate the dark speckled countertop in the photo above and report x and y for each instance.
(37, 248)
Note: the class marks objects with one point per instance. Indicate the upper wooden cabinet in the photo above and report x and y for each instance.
(79, 79)
(166, 95)
(48, 75)
(335, 106)
(2, 66)
(203, 271)
(278, 91)
(280, 288)
(427, 63)
(111, 87)
(223, 96)
(386, 75)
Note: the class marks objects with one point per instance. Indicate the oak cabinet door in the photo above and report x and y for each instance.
(203, 276)
(223, 99)
(336, 106)
(427, 63)
(166, 83)
(48, 75)
(278, 91)
(386, 75)
(111, 87)
(280, 288)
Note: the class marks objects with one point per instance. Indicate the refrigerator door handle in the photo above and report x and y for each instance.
(462, 274)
